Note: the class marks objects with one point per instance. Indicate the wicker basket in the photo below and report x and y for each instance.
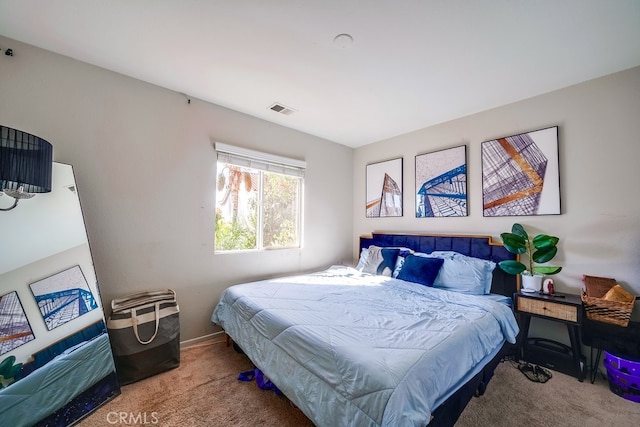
(600, 310)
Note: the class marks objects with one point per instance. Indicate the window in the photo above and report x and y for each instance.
(258, 200)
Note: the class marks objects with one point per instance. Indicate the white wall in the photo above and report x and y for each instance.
(145, 171)
(599, 143)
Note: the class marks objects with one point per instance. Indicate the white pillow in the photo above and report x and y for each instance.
(364, 256)
(437, 254)
(446, 254)
(399, 264)
(380, 260)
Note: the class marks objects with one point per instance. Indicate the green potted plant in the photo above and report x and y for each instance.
(539, 250)
(9, 372)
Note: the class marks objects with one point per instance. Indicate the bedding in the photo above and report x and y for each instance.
(380, 261)
(465, 274)
(351, 348)
(459, 273)
(55, 384)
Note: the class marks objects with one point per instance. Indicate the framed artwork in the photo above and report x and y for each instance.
(384, 189)
(63, 297)
(14, 325)
(441, 183)
(520, 174)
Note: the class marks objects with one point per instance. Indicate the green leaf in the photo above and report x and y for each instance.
(514, 243)
(512, 266)
(544, 254)
(15, 369)
(6, 364)
(520, 231)
(546, 270)
(539, 250)
(544, 241)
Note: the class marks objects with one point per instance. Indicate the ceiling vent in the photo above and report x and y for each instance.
(282, 109)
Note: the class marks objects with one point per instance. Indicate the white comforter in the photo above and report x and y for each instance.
(356, 349)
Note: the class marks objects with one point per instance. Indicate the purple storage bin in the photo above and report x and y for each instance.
(627, 364)
(624, 385)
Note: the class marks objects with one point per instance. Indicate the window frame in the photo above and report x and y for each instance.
(263, 163)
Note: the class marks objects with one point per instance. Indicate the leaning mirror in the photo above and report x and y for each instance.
(56, 364)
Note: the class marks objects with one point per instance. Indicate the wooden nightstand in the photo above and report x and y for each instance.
(565, 308)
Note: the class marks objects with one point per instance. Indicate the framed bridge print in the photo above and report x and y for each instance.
(441, 183)
(63, 297)
(520, 174)
(14, 325)
(384, 189)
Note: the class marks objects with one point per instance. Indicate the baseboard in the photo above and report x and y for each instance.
(198, 340)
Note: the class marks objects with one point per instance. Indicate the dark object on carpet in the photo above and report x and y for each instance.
(262, 381)
(535, 373)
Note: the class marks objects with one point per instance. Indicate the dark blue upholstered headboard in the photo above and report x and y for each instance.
(45, 355)
(475, 246)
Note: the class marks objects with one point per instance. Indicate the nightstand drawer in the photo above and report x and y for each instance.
(568, 313)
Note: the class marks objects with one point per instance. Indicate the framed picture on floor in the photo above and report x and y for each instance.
(14, 325)
(384, 189)
(441, 183)
(63, 297)
(520, 174)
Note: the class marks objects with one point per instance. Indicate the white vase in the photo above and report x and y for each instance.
(531, 283)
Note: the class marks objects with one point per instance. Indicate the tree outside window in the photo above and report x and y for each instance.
(256, 209)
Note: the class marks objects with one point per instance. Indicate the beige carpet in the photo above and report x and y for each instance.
(204, 391)
(563, 401)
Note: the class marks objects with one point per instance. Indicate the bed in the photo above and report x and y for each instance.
(405, 338)
(75, 381)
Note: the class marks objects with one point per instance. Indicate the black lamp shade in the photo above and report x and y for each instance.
(25, 160)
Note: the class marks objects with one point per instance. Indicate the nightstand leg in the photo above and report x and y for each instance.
(574, 336)
(524, 334)
(595, 365)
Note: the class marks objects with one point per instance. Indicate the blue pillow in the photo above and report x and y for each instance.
(463, 273)
(466, 274)
(420, 270)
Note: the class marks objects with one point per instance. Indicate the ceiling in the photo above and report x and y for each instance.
(412, 63)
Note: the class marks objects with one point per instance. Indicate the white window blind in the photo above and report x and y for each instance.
(245, 157)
